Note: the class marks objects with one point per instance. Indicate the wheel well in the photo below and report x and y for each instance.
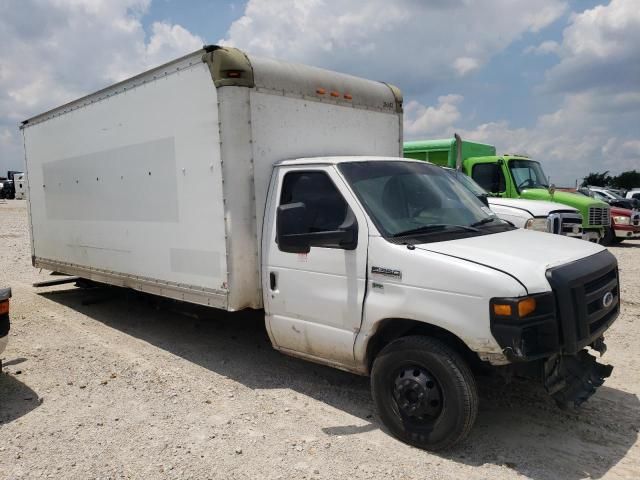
(393, 328)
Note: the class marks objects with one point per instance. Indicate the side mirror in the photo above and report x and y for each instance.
(293, 236)
(292, 224)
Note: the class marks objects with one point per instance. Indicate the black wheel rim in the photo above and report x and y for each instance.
(418, 396)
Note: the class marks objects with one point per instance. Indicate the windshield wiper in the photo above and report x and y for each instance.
(435, 227)
(484, 221)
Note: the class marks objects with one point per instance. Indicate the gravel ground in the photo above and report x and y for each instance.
(112, 384)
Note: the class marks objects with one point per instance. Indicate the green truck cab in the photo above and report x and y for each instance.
(510, 176)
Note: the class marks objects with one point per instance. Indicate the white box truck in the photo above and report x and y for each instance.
(239, 182)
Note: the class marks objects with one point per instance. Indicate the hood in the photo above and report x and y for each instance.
(523, 254)
(537, 208)
(621, 211)
(574, 199)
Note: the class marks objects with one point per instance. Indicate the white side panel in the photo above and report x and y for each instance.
(288, 127)
(132, 184)
(20, 184)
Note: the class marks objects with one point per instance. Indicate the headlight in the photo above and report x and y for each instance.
(521, 307)
(621, 220)
(539, 224)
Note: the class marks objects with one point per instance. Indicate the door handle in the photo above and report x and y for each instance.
(273, 281)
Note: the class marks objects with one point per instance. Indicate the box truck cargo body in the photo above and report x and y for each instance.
(158, 183)
(238, 182)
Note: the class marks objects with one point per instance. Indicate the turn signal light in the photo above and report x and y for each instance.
(233, 73)
(4, 307)
(526, 306)
(320, 91)
(347, 96)
(335, 94)
(502, 309)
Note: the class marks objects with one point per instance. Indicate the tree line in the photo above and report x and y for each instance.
(626, 180)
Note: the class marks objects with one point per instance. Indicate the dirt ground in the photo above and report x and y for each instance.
(112, 384)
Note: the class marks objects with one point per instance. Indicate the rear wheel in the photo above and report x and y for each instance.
(425, 392)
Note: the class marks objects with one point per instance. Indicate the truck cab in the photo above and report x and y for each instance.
(531, 214)
(391, 268)
(510, 176)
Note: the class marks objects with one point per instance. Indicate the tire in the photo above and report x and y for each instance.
(609, 237)
(416, 365)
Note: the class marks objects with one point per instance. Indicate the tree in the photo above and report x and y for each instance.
(597, 179)
(627, 180)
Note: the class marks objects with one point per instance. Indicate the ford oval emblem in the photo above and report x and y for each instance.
(607, 300)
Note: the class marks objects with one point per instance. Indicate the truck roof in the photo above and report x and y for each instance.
(443, 143)
(334, 160)
(233, 67)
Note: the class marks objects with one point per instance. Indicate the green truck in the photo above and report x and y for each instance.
(510, 176)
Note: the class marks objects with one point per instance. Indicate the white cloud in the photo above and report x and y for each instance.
(464, 65)
(423, 121)
(546, 47)
(407, 42)
(599, 50)
(58, 50)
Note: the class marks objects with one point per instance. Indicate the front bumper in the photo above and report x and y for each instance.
(583, 304)
(571, 380)
(627, 231)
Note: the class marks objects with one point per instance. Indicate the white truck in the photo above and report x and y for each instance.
(20, 184)
(239, 182)
(537, 215)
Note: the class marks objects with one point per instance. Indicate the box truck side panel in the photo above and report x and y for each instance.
(127, 187)
(283, 117)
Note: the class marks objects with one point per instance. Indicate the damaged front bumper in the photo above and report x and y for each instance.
(572, 379)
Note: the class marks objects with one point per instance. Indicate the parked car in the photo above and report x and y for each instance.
(612, 198)
(633, 193)
(5, 295)
(625, 224)
(8, 191)
(537, 215)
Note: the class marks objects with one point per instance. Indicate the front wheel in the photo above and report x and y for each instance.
(609, 237)
(424, 392)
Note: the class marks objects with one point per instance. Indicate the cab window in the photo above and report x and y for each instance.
(489, 176)
(326, 208)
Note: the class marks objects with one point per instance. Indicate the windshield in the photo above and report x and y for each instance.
(411, 198)
(527, 174)
(615, 195)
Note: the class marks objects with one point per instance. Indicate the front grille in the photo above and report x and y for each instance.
(571, 224)
(580, 289)
(599, 216)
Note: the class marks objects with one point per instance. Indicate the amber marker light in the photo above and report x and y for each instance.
(347, 96)
(501, 309)
(526, 306)
(320, 91)
(335, 94)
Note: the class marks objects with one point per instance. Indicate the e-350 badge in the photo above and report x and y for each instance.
(387, 272)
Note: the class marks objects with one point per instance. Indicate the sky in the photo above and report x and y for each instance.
(557, 80)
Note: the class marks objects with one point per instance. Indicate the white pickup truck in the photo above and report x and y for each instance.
(239, 182)
(537, 215)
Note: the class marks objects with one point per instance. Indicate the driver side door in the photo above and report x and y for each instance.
(314, 301)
